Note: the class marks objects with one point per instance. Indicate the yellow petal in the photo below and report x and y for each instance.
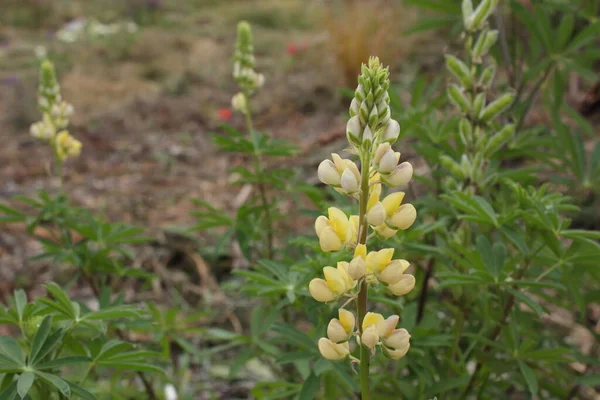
(397, 354)
(320, 291)
(374, 194)
(336, 331)
(338, 162)
(371, 318)
(392, 202)
(329, 240)
(353, 229)
(398, 339)
(386, 327)
(347, 320)
(403, 286)
(339, 222)
(378, 260)
(335, 282)
(404, 217)
(360, 250)
(333, 351)
(342, 267)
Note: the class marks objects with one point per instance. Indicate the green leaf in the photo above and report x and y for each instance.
(20, 302)
(12, 349)
(293, 335)
(50, 343)
(57, 382)
(112, 313)
(81, 392)
(64, 303)
(589, 380)
(589, 34)
(24, 383)
(10, 393)
(529, 376)
(60, 362)
(537, 308)
(39, 339)
(310, 387)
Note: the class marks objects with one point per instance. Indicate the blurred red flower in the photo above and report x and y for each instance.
(224, 114)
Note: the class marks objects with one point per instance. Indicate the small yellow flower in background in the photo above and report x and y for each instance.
(67, 146)
(239, 103)
(43, 130)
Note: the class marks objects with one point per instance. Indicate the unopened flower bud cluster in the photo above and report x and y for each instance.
(56, 115)
(243, 67)
(478, 130)
(371, 132)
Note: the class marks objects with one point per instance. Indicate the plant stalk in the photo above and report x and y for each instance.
(363, 292)
(259, 170)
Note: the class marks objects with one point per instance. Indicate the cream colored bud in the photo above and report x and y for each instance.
(357, 268)
(320, 291)
(393, 272)
(336, 332)
(385, 232)
(370, 336)
(321, 223)
(239, 103)
(392, 131)
(353, 129)
(403, 286)
(399, 339)
(367, 135)
(333, 351)
(354, 107)
(388, 162)
(328, 173)
(348, 181)
(329, 240)
(401, 175)
(396, 354)
(404, 217)
(381, 150)
(376, 215)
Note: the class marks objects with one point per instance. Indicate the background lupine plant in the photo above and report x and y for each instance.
(370, 132)
(56, 115)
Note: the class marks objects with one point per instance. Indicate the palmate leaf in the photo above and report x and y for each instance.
(39, 339)
(12, 350)
(61, 362)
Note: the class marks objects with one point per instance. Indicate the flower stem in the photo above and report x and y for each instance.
(361, 303)
(258, 170)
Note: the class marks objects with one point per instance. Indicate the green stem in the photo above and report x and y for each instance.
(259, 171)
(363, 292)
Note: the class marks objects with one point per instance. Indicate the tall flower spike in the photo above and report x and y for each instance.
(48, 90)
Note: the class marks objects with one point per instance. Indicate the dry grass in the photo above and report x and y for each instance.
(362, 28)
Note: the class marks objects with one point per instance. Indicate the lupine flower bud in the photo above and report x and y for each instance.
(401, 175)
(328, 174)
(393, 272)
(354, 130)
(376, 215)
(385, 232)
(243, 60)
(43, 130)
(320, 291)
(333, 351)
(404, 217)
(357, 268)
(458, 98)
(347, 320)
(388, 161)
(460, 70)
(367, 136)
(378, 260)
(496, 107)
(349, 183)
(391, 132)
(370, 337)
(467, 11)
(403, 286)
(381, 150)
(499, 139)
(336, 332)
(239, 103)
(483, 44)
(61, 114)
(398, 339)
(49, 90)
(396, 354)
